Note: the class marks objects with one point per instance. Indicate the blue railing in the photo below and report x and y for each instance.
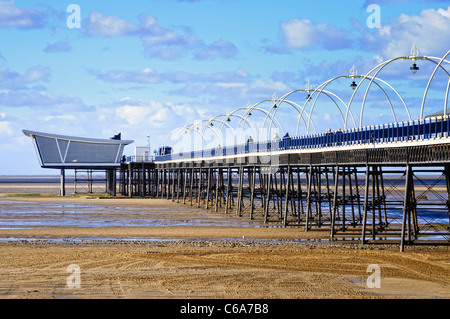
(384, 133)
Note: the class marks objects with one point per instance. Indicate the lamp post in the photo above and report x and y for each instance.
(308, 89)
(414, 54)
(353, 74)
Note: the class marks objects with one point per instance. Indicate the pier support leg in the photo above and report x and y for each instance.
(62, 190)
(366, 203)
(406, 206)
(111, 182)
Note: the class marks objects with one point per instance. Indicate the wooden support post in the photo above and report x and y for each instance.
(130, 180)
(267, 199)
(366, 203)
(308, 198)
(240, 191)
(252, 185)
(406, 205)
(229, 191)
(286, 198)
(218, 188)
(343, 201)
(208, 187)
(447, 182)
(335, 201)
(192, 186)
(62, 186)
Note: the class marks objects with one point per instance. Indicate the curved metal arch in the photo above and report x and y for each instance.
(194, 126)
(429, 83)
(210, 122)
(294, 105)
(383, 64)
(255, 108)
(307, 126)
(380, 67)
(171, 133)
(226, 116)
(190, 127)
(277, 104)
(327, 93)
(375, 80)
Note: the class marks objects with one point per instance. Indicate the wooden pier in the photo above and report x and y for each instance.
(382, 195)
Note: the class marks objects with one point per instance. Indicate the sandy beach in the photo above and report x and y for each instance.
(160, 249)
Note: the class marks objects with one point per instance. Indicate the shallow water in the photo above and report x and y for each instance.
(22, 214)
(39, 215)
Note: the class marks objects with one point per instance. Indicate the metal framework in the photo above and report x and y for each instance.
(384, 183)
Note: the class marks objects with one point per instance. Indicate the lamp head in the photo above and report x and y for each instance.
(414, 68)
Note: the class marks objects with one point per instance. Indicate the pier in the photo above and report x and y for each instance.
(381, 183)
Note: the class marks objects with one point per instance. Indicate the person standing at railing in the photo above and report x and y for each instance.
(275, 142)
(339, 136)
(276, 138)
(329, 137)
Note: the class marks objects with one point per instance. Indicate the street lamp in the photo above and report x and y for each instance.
(414, 55)
(414, 68)
(353, 73)
(308, 89)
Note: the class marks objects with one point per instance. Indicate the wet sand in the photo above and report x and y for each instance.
(193, 253)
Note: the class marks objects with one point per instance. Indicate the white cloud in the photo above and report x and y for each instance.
(15, 17)
(12, 80)
(160, 42)
(222, 49)
(429, 30)
(134, 115)
(303, 34)
(5, 128)
(57, 47)
(100, 24)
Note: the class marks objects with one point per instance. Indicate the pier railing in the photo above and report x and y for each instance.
(429, 128)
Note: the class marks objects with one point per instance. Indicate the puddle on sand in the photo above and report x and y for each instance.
(157, 239)
(20, 214)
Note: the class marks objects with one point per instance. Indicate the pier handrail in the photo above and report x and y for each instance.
(428, 128)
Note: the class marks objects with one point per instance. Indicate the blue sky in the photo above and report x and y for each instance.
(147, 67)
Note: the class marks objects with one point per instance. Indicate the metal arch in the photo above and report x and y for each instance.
(301, 116)
(446, 97)
(222, 123)
(283, 100)
(185, 128)
(293, 104)
(240, 117)
(254, 107)
(376, 83)
(327, 93)
(209, 123)
(172, 132)
(380, 67)
(195, 125)
(322, 87)
(190, 127)
(428, 85)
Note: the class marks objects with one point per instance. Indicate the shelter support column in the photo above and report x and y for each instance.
(62, 190)
(111, 181)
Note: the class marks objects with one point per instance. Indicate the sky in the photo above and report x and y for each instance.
(145, 68)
